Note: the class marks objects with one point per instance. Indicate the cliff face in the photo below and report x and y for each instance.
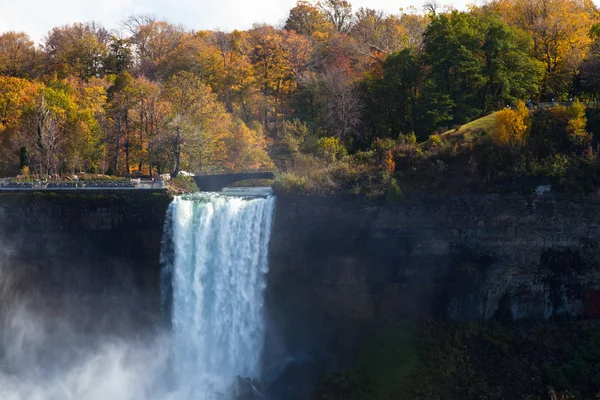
(341, 268)
(101, 247)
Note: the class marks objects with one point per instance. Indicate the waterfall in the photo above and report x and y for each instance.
(65, 345)
(215, 259)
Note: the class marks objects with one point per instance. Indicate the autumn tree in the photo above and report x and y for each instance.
(590, 68)
(306, 19)
(195, 53)
(414, 25)
(18, 98)
(338, 12)
(377, 34)
(78, 49)
(123, 97)
(343, 104)
(560, 32)
(271, 69)
(18, 56)
(246, 148)
(193, 105)
(152, 40)
(512, 128)
(576, 126)
(298, 52)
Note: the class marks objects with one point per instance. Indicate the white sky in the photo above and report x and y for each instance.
(37, 17)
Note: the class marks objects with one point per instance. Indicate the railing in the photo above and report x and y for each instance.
(83, 185)
(588, 104)
(222, 173)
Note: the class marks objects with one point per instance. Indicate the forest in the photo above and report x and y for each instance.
(337, 99)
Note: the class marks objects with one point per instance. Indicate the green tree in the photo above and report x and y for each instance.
(392, 100)
(476, 64)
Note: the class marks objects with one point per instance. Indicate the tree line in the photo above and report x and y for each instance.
(155, 97)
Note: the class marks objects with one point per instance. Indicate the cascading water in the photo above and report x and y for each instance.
(217, 265)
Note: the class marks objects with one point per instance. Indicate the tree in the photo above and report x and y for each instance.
(577, 124)
(509, 72)
(512, 128)
(120, 55)
(271, 69)
(590, 68)
(343, 104)
(306, 19)
(18, 98)
(18, 56)
(17, 95)
(339, 13)
(451, 44)
(246, 149)
(194, 54)
(192, 105)
(152, 40)
(298, 52)
(476, 64)
(78, 49)
(392, 100)
(122, 98)
(559, 29)
(414, 25)
(378, 35)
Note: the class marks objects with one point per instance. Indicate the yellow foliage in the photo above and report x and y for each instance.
(577, 124)
(512, 127)
(560, 30)
(16, 97)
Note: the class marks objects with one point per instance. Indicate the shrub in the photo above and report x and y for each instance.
(182, 184)
(388, 163)
(435, 140)
(292, 137)
(512, 128)
(394, 193)
(548, 131)
(330, 148)
(290, 182)
(576, 125)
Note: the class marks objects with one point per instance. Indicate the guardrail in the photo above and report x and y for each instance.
(588, 104)
(83, 185)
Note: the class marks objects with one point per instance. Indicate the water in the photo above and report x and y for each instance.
(218, 265)
(215, 259)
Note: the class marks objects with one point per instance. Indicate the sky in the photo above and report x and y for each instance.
(37, 17)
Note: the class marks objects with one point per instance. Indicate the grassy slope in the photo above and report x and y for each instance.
(449, 168)
(472, 131)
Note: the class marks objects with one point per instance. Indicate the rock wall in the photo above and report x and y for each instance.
(341, 267)
(97, 246)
